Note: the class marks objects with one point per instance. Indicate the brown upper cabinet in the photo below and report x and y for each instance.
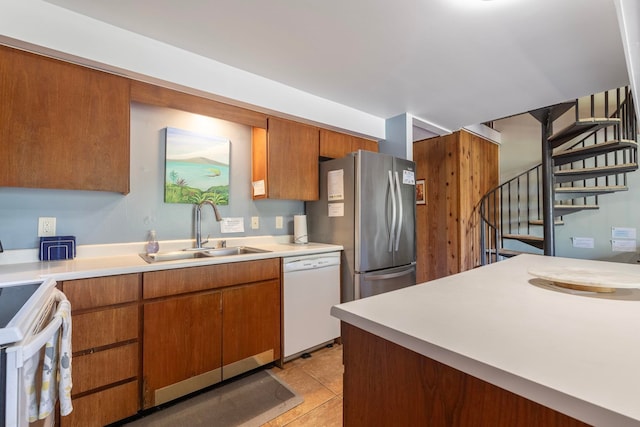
(62, 126)
(285, 161)
(334, 145)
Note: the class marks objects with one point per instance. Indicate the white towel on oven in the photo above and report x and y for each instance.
(56, 374)
(65, 382)
(29, 377)
(48, 393)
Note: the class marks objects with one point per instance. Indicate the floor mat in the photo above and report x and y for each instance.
(249, 401)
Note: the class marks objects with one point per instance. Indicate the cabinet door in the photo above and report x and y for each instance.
(105, 407)
(102, 328)
(102, 291)
(285, 160)
(363, 144)
(182, 340)
(62, 126)
(251, 321)
(334, 145)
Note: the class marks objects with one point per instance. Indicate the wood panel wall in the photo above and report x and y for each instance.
(458, 170)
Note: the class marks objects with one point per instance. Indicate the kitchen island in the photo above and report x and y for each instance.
(495, 346)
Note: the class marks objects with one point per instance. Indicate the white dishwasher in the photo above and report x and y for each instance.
(311, 288)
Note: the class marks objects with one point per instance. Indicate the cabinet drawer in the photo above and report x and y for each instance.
(182, 280)
(102, 291)
(104, 327)
(106, 367)
(105, 407)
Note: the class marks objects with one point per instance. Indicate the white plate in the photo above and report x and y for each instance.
(588, 277)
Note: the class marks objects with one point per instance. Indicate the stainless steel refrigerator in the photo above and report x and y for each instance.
(368, 205)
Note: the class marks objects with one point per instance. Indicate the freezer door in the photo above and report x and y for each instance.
(374, 215)
(378, 282)
(405, 239)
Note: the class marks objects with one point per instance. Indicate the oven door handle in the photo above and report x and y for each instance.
(26, 351)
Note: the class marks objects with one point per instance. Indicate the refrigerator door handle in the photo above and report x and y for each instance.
(390, 275)
(393, 212)
(400, 213)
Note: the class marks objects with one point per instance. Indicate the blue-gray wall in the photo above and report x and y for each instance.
(99, 217)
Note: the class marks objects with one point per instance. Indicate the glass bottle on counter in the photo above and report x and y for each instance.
(152, 245)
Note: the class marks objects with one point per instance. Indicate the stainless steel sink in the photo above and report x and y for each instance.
(234, 250)
(200, 253)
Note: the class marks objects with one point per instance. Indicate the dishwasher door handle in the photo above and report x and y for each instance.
(310, 263)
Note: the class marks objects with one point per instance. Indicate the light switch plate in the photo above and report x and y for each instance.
(279, 222)
(255, 222)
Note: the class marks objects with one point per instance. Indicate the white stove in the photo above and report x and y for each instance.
(20, 303)
(25, 311)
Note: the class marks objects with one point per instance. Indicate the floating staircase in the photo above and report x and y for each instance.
(583, 161)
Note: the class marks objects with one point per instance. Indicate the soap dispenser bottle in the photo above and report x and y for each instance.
(152, 245)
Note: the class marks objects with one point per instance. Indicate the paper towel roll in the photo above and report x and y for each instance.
(300, 229)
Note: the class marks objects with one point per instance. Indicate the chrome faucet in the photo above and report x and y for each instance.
(199, 241)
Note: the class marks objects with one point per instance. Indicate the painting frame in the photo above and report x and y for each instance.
(197, 167)
(420, 192)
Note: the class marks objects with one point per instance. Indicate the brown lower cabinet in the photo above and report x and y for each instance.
(206, 324)
(143, 339)
(105, 339)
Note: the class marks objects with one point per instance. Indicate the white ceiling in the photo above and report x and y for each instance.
(450, 62)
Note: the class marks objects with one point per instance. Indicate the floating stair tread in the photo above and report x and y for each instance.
(561, 210)
(577, 174)
(541, 222)
(581, 207)
(594, 189)
(508, 253)
(523, 237)
(536, 241)
(580, 128)
(576, 154)
(568, 193)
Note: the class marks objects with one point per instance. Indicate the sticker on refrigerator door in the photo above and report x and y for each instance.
(335, 185)
(408, 177)
(336, 209)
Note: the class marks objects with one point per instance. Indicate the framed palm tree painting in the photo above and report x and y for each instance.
(197, 167)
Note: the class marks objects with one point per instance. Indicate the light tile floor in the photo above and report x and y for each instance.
(319, 380)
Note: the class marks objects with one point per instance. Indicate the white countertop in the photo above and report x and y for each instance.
(575, 352)
(109, 260)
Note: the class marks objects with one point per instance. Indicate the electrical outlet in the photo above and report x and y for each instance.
(46, 226)
(279, 222)
(255, 222)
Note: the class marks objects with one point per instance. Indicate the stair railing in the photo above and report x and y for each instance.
(625, 130)
(511, 207)
(506, 210)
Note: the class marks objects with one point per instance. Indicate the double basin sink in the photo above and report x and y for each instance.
(200, 253)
